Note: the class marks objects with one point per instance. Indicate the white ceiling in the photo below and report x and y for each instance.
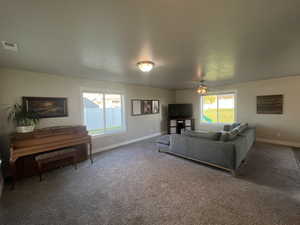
(231, 40)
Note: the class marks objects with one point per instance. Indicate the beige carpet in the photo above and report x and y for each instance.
(137, 185)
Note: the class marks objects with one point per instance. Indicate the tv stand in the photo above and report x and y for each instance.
(179, 125)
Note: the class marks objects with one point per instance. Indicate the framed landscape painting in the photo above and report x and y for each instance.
(46, 107)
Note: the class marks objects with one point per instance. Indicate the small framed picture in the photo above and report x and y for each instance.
(155, 106)
(147, 107)
(136, 106)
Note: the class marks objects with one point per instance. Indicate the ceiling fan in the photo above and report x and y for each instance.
(202, 88)
(198, 83)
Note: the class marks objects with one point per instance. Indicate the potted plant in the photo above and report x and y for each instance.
(25, 121)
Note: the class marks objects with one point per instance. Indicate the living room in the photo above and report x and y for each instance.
(171, 113)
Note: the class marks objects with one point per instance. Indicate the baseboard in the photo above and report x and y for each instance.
(127, 142)
(278, 142)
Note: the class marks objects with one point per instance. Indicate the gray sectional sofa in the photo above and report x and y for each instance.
(226, 150)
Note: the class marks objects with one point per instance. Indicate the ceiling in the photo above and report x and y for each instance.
(230, 41)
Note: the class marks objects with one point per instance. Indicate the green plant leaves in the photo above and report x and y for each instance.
(19, 115)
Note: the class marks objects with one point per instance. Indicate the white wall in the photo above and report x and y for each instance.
(17, 83)
(280, 128)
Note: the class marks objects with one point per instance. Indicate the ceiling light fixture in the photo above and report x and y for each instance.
(145, 66)
(202, 89)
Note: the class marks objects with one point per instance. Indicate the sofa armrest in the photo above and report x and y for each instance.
(243, 145)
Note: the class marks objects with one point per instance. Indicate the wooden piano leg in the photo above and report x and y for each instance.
(91, 153)
(13, 171)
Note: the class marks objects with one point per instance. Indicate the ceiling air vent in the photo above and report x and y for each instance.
(9, 46)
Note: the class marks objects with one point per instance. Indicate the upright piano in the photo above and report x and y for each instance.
(45, 140)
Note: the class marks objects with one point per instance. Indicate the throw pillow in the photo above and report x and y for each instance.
(243, 127)
(234, 125)
(229, 136)
(227, 127)
(230, 127)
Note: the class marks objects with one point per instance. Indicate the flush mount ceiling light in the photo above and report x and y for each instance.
(202, 89)
(145, 66)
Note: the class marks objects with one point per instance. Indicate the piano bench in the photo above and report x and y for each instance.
(67, 153)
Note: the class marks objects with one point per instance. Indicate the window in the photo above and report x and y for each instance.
(103, 113)
(219, 108)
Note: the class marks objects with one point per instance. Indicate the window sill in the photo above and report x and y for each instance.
(95, 136)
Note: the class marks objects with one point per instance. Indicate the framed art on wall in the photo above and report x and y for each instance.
(136, 107)
(144, 107)
(155, 106)
(147, 106)
(46, 107)
(269, 104)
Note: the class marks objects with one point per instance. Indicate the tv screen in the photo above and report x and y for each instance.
(180, 110)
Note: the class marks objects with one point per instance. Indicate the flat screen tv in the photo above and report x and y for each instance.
(180, 111)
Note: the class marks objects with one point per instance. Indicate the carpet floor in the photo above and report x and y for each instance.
(135, 184)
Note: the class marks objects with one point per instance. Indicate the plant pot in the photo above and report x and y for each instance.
(25, 129)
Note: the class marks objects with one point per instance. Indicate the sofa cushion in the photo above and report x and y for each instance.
(215, 136)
